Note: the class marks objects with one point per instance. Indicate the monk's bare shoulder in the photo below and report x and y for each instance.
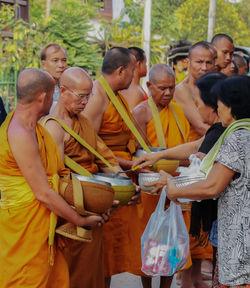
(183, 93)
(96, 106)
(142, 112)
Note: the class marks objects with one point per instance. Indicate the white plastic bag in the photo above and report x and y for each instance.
(165, 241)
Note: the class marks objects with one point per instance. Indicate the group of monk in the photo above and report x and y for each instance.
(34, 146)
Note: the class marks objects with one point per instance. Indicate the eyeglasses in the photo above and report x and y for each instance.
(80, 96)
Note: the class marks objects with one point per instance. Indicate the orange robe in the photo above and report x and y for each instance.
(25, 221)
(173, 138)
(116, 239)
(85, 260)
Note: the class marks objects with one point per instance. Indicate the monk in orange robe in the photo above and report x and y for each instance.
(30, 166)
(201, 61)
(135, 94)
(118, 66)
(85, 260)
(175, 128)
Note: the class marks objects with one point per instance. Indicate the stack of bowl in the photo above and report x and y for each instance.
(123, 187)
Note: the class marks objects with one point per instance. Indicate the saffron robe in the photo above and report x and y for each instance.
(25, 221)
(85, 260)
(116, 239)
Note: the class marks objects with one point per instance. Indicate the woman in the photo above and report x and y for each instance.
(227, 167)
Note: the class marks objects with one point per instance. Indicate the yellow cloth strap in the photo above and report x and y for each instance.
(54, 182)
(178, 122)
(124, 114)
(157, 121)
(74, 166)
(83, 143)
(77, 195)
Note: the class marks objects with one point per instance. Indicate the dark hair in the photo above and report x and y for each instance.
(203, 44)
(54, 45)
(240, 61)
(138, 53)
(115, 58)
(220, 36)
(32, 81)
(234, 92)
(205, 83)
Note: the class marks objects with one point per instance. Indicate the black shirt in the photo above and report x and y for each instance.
(2, 112)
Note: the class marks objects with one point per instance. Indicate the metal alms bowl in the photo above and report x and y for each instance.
(124, 187)
(145, 178)
(97, 195)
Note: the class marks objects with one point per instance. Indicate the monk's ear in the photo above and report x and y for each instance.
(42, 97)
(120, 70)
(43, 64)
(149, 84)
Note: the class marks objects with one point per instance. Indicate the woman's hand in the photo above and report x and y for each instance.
(147, 160)
(160, 183)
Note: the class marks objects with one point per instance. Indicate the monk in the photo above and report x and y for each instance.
(161, 85)
(117, 69)
(53, 59)
(29, 167)
(85, 260)
(201, 60)
(225, 48)
(241, 63)
(135, 94)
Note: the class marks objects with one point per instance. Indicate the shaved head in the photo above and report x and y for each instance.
(159, 71)
(32, 82)
(74, 76)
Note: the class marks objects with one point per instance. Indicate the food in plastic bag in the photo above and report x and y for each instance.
(190, 174)
(165, 241)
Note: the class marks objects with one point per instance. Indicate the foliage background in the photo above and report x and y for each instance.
(71, 21)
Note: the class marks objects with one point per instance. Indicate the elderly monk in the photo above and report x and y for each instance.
(135, 93)
(29, 166)
(161, 86)
(201, 60)
(85, 260)
(225, 48)
(117, 69)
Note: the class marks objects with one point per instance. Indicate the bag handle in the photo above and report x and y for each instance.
(161, 203)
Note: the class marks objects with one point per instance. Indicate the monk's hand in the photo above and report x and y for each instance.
(160, 183)
(136, 197)
(92, 221)
(147, 160)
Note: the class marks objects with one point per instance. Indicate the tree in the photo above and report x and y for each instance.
(192, 17)
(68, 25)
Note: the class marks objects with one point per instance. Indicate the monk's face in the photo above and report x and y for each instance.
(55, 62)
(76, 98)
(201, 61)
(225, 51)
(229, 70)
(162, 90)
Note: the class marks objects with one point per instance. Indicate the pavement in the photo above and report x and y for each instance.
(127, 280)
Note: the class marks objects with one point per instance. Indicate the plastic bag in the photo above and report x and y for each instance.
(165, 241)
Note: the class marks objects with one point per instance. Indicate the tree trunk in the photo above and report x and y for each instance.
(211, 20)
(48, 4)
